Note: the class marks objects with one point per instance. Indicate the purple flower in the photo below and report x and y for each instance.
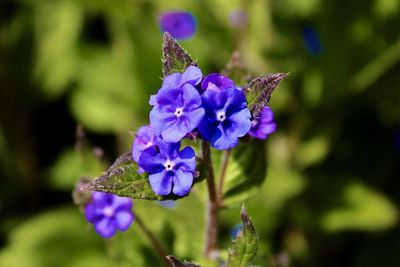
(216, 81)
(180, 24)
(144, 139)
(177, 106)
(227, 117)
(168, 168)
(108, 212)
(263, 125)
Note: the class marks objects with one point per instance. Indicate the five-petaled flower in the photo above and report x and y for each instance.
(177, 106)
(226, 114)
(108, 212)
(168, 168)
(263, 125)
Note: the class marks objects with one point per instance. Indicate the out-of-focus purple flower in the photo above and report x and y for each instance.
(263, 125)
(227, 117)
(145, 138)
(216, 81)
(177, 106)
(238, 19)
(109, 213)
(168, 168)
(312, 41)
(180, 24)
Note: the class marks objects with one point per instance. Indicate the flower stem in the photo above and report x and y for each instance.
(158, 247)
(224, 165)
(212, 207)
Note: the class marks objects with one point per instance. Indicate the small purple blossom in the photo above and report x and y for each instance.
(215, 81)
(177, 106)
(263, 125)
(109, 213)
(144, 139)
(168, 168)
(238, 19)
(180, 24)
(227, 117)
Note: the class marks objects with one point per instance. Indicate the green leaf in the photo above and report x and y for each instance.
(246, 171)
(123, 179)
(362, 208)
(245, 246)
(177, 263)
(175, 58)
(259, 90)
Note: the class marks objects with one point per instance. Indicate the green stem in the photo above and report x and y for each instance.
(212, 207)
(224, 164)
(158, 247)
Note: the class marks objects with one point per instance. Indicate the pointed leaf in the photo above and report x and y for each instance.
(259, 90)
(245, 246)
(175, 58)
(122, 179)
(177, 263)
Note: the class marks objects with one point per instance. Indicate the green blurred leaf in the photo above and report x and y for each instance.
(312, 151)
(246, 171)
(58, 25)
(245, 246)
(71, 165)
(175, 58)
(54, 238)
(259, 90)
(363, 209)
(101, 112)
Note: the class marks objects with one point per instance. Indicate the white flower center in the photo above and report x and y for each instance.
(221, 116)
(149, 144)
(108, 211)
(168, 165)
(179, 112)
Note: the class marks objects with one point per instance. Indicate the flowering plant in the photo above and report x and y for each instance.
(212, 110)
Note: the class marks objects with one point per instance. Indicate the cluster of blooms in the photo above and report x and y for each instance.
(109, 213)
(212, 107)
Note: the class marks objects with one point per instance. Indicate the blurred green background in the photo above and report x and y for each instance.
(332, 194)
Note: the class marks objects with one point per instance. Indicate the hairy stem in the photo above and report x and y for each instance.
(212, 207)
(224, 165)
(158, 247)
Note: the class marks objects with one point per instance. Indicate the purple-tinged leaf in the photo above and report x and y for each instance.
(258, 91)
(175, 58)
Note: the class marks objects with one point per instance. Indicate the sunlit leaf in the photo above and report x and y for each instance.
(123, 179)
(245, 245)
(246, 171)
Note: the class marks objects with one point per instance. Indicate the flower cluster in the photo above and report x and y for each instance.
(212, 107)
(109, 213)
